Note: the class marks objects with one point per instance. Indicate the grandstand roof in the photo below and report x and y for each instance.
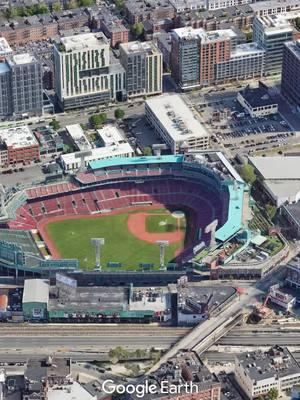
(118, 161)
(36, 291)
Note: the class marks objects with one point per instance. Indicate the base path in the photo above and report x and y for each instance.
(137, 226)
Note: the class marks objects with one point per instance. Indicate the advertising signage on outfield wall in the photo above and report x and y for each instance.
(59, 264)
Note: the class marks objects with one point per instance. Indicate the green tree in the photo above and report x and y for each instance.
(42, 9)
(11, 12)
(119, 4)
(273, 394)
(271, 210)
(147, 151)
(247, 173)
(55, 124)
(98, 119)
(137, 29)
(119, 113)
(86, 3)
(56, 7)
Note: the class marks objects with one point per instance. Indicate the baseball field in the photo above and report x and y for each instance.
(130, 237)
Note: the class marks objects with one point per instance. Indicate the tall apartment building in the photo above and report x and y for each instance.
(27, 84)
(142, 62)
(270, 33)
(185, 57)
(246, 61)
(201, 58)
(21, 89)
(290, 76)
(81, 65)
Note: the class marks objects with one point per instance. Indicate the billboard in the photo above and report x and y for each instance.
(65, 280)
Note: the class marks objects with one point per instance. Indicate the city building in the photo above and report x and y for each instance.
(21, 86)
(196, 304)
(246, 61)
(141, 10)
(72, 162)
(257, 102)
(18, 145)
(200, 58)
(284, 300)
(142, 62)
(219, 4)
(163, 41)
(290, 76)
(291, 213)
(279, 178)
(117, 77)
(22, 30)
(78, 138)
(175, 123)
(43, 378)
(185, 57)
(5, 48)
(258, 372)
(113, 27)
(274, 7)
(187, 5)
(185, 368)
(240, 16)
(35, 299)
(82, 70)
(110, 135)
(292, 278)
(270, 33)
(27, 84)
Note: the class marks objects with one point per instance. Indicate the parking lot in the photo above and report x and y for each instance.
(139, 133)
(233, 128)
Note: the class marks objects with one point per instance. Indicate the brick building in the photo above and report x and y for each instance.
(18, 145)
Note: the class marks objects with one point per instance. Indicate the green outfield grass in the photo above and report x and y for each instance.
(72, 239)
(163, 223)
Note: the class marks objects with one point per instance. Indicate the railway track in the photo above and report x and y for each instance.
(95, 330)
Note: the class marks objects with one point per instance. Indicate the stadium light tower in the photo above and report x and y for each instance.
(157, 148)
(211, 228)
(162, 245)
(2, 195)
(97, 243)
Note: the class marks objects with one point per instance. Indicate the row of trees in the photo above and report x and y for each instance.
(99, 119)
(26, 11)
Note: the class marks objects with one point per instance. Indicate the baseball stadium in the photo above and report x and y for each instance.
(139, 213)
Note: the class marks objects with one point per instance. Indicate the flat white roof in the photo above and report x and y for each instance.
(206, 36)
(4, 47)
(36, 291)
(24, 58)
(132, 47)
(100, 153)
(73, 391)
(281, 168)
(83, 41)
(176, 117)
(78, 136)
(18, 137)
(110, 134)
(246, 49)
